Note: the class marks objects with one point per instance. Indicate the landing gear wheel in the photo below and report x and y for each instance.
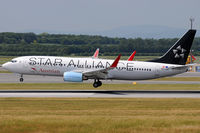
(95, 85)
(99, 83)
(21, 79)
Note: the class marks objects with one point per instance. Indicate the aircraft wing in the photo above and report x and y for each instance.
(101, 73)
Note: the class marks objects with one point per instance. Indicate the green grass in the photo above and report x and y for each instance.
(178, 79)
(88, 86)
(5, 71)
(4, 59)
(98, 115)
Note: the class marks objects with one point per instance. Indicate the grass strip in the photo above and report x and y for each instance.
(99, 115)
(178, 79)
(5, 71)
(88, 86)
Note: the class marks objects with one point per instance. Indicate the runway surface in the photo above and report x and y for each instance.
(100, 94)
(14, 78)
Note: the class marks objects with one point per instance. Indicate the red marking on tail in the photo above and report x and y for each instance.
(96, 54)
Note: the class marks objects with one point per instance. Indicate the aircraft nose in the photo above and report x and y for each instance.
(5, 65)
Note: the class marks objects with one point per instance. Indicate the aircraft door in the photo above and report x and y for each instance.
(25, 63)
(157, 71)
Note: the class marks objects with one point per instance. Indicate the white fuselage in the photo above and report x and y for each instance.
(125, 70)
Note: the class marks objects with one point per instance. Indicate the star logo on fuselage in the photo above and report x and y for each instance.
(179, 52)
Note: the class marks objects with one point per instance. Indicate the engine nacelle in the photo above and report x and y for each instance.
(73, 77)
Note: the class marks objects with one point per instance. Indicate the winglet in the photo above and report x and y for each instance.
(132, 56)
(96, 54)
(114, 64)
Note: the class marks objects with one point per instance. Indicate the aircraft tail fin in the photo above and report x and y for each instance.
(96, 54)
(179, 52)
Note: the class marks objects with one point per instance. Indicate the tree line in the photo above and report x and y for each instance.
(18, 44)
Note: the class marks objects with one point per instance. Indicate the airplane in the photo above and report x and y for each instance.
(131, 57)
(79, 69)
(96, 54)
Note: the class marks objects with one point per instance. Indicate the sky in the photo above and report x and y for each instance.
(95, 15)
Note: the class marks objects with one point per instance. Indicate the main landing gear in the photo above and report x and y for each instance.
(97, 83)
(21, 78)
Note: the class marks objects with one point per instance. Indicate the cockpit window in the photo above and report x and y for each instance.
(13, 61)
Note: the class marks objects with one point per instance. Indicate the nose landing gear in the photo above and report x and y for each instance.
(21, 78)
(97, 83)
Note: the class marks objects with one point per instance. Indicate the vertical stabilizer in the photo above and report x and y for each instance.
(96, 54)
(179, 52)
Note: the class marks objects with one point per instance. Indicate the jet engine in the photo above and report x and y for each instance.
(73, 77)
